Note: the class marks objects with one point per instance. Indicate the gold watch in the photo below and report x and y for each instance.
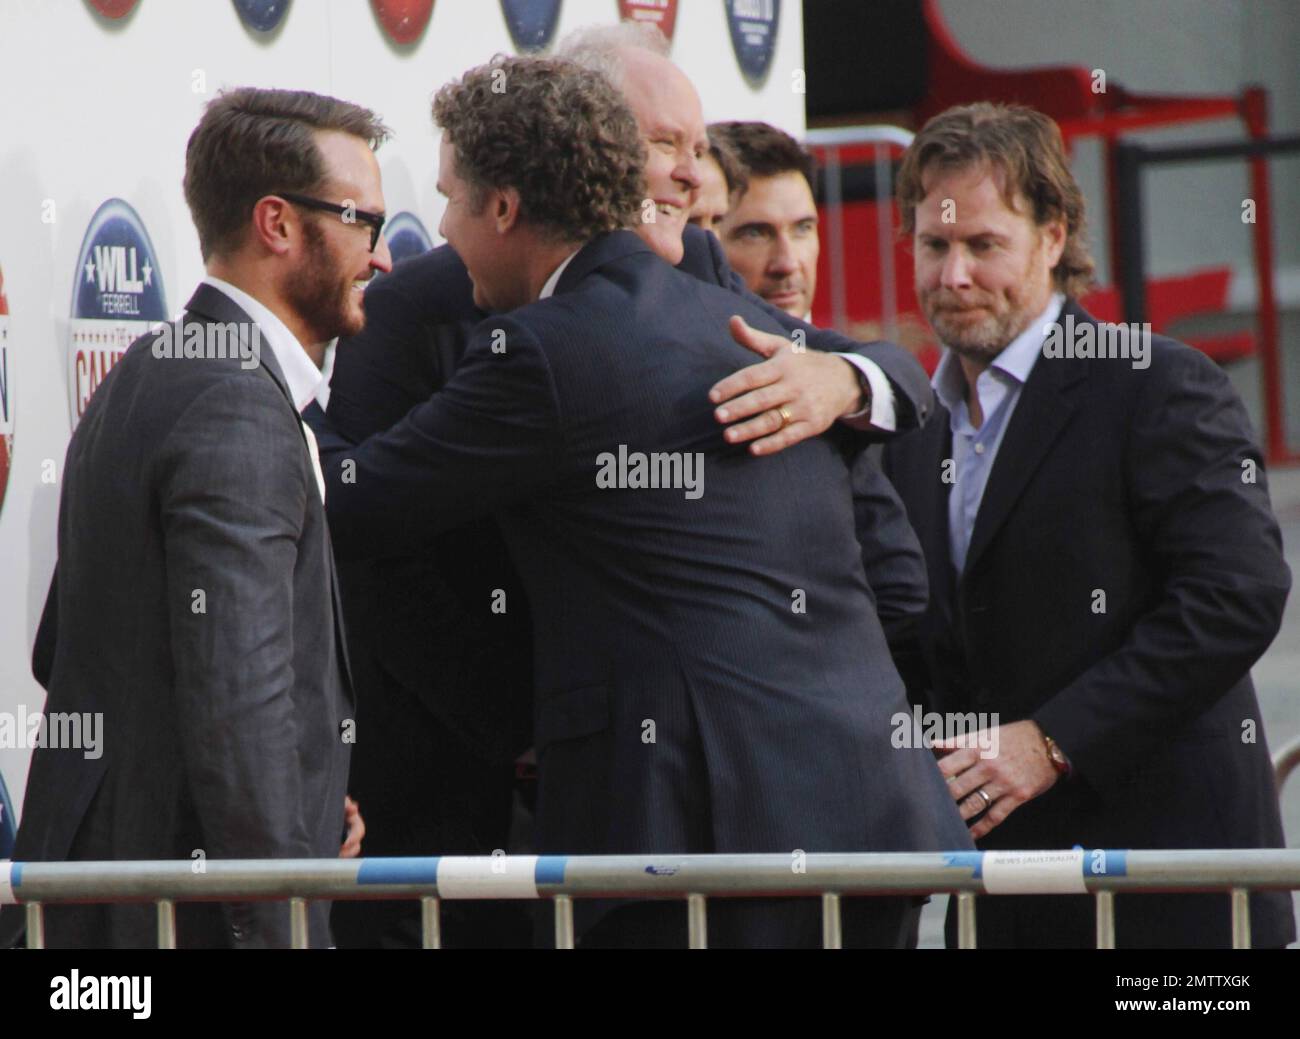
(1056, 756)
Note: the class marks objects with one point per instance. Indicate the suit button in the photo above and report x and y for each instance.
(238, 933)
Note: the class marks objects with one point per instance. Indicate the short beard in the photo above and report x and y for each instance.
(984, 341)
(312, 290)
(980, 342)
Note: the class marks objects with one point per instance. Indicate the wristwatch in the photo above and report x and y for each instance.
(1056, 756)
(864, 385)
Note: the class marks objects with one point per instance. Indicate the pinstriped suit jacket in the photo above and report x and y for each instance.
(711, 674)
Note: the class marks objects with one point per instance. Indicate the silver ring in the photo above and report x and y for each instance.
(987, 800)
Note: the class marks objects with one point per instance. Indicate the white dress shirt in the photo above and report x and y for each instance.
(975, 450)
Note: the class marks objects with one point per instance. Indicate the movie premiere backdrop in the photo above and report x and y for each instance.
(97, 100)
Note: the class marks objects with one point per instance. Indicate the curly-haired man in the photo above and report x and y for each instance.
(710, 672)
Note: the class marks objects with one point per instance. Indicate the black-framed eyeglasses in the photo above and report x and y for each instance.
(375, 221)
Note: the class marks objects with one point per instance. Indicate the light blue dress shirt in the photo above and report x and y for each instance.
(975, 450)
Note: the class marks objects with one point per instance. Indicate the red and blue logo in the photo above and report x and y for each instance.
(117, 296)
(531, 22)
(753, 24)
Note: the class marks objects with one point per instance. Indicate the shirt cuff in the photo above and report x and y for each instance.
(879, 412)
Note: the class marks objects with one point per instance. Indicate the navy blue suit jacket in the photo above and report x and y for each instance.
(711, 675)
(446, 680)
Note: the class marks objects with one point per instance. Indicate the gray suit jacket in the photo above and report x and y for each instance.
(194, 608)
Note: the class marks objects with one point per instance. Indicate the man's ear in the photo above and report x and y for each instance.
(505, 203)
(1054, 235)
(270, 225)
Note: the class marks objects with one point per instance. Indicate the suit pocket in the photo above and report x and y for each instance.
(571, 714)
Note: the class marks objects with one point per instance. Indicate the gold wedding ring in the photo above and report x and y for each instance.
(786, 417)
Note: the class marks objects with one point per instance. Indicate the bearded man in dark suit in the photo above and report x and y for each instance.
(1104, 563)
(194, 606)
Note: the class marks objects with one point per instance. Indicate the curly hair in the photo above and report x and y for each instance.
(1025, 147)
(253, 142)
(559, 134)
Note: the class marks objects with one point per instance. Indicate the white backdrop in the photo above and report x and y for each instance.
(92, 109)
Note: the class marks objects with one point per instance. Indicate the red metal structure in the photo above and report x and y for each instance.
(1085, 103)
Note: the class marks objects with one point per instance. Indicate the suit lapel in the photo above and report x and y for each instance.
(942, 582)
(316, 415)
(1046, 406)
(213, 305)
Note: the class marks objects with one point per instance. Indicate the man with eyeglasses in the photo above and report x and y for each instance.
(194, 607)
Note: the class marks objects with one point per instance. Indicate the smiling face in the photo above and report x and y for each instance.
(671, 121)
(770, 237)
(335, 264)
(983, 269)
(472, 234)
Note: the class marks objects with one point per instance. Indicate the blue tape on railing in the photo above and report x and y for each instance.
(11, 874)
(550, 869)
(398, 871)
(1104, 862)
(972, 860)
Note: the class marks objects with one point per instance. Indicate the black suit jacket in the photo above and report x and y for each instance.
(441, 639)
(424, 620)
(891, 554)
(710, 672)
(1124, 573)
(194, 607)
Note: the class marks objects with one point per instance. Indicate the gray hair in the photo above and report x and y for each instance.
(598, 47)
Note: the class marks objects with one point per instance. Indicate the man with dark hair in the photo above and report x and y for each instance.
(710, 674)
(193, 607)
(442, 637)
(769, 234)
(770, 230)
(1104, 563)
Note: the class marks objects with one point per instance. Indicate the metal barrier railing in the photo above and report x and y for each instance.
(692, 878)
(1285, 762)
(827, 146)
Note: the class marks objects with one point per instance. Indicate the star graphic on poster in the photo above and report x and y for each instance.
(148, 273)
(90, 270)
